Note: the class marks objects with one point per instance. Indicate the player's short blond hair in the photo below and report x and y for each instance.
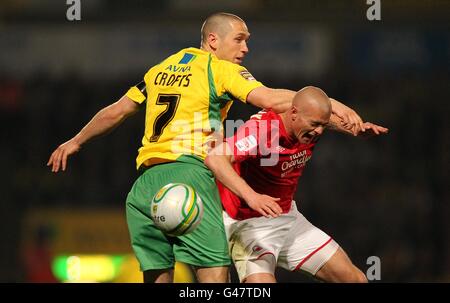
(217, 23)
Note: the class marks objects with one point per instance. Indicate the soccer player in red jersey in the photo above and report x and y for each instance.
(258, 169)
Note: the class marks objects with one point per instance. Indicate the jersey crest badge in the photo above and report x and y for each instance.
(246, 75)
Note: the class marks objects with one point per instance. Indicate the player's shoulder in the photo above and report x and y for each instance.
(257, 121)
(259, 115)
(264, 115)
(179, 60)
(265, 121)
(184, 56)
(223, 63)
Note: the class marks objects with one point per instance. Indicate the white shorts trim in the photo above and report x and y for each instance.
(315, 260)
(290, 241)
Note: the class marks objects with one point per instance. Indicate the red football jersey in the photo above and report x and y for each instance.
(269, 161)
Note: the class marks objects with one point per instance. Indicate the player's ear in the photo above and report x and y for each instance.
(294, 112)
(213, 40)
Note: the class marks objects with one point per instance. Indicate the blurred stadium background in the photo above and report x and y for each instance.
(385, 197)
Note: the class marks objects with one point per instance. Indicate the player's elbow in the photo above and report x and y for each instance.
(111, 115)
(215, 162)
(120, 110)
(209, 162)
(218, 158)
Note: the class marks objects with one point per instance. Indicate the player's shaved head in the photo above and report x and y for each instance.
(311, 97)
(226, 36)
(309, 114)
(219, 23)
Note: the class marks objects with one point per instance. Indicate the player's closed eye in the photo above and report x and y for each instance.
(317, 124)
(241, 38)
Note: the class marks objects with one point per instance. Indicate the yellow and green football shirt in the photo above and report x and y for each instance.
(187, 98)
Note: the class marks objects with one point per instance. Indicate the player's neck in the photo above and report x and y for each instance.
(207, 48)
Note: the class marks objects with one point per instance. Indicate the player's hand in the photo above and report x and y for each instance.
(58, 159)
(350, 120)
(265, 205)
(371, 129)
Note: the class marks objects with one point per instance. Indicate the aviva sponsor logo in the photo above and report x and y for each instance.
(181, 69)
(187, 58)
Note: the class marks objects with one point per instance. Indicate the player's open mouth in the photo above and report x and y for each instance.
(308, 137)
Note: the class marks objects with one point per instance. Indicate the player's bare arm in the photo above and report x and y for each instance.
(104, 121)
(280, 100)
(368, 129)
(219, 162)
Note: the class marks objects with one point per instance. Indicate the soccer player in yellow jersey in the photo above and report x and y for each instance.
(186, 98)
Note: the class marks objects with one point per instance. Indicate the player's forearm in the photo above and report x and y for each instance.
(221, 166)
(338, 107)
(107, 119)
(336, 125)
(283, 100)
(279, 100)
(103, 122)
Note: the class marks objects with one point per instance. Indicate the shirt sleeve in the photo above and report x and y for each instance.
(238, 81)
(138, 93)
(244, 143)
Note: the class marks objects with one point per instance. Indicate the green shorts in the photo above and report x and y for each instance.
(206, 246)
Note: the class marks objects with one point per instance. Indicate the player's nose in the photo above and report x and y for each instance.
(244, 47)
